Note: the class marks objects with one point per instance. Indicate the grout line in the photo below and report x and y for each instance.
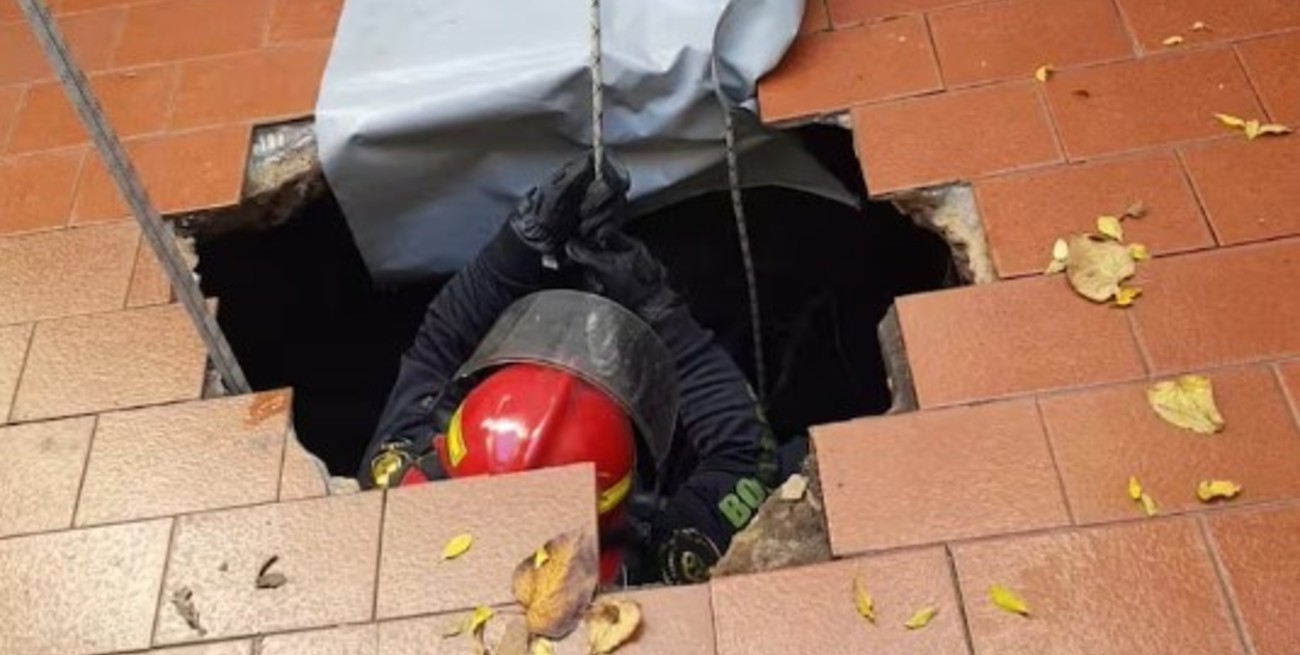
(1056, 464)
(1140, 344)
(1138, 50)
(169, 115)
(24, 93)
(85, 472)
(268, 18)
(379, 554)
(1053, 125)
(162, 581)
(1292, 403)
(1250, 80)
(1227, 593)
(1190, 183)
(135, 268)
(961, 598)
(934, 53)
(22, 370)
(284, 452)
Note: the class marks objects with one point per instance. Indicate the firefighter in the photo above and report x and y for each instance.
(561, 342)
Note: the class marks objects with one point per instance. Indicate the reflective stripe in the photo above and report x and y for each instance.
(456, 450)
(611, 497)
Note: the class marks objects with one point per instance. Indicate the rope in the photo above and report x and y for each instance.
(746, 255)
(158, 233)
(597, 92)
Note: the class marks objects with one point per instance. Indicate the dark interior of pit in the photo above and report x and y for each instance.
(300, 310)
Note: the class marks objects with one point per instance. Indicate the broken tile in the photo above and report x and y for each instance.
(40, 470)
(326, 548)
(271, 84)
(171, 30)
(1248, 188)
(82, 592)
(342, 640)
(301, 20)
(1153, 21)
(90, 37)
(825, 73)
(1271, 65)
(927, 141)
(66, 272)
(134, 101)
(1139, 587)
(36, 190)
(301, 477)
(510, 516)
(1261, 562)
(110, 361)
(815, 17)
(13, 354)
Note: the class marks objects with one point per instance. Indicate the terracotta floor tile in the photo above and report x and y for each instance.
(1153, 21)
(1148, 102)
(1103, 436)
(72, 6)
(849, 12)
(1138, 587)
(816, 18)
(1291, 381)
(36, 190)
(36, 499)
(1015, 337)
(1248, 187)
(829, 72)
(343, 640)
(10, 11)
(1261, 561)
(810, 609)
(242, 647)
(149, 284)
(82, 591)
(300, 20)
(1024, 214)
(13, 353)
(90, 36)
(66, 272)
(110, 361)
(183, 172)
(170, 30)
(920, 493)
(1231, 305)
(327, 550)
(300, 477)
(509, 517)
(219, 453)
(1271, 65)
(945, 138)
(261, 86)
(1010, 39)
(135, 101)
(11, 98)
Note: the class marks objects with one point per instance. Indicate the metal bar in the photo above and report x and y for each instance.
(158, 232)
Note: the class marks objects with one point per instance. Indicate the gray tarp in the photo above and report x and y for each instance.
(435, 116)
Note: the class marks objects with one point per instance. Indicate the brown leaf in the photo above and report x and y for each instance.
(515, 639)
(1097, 267)
(267, 579)
(555, 592)
(183, 600)
(610, 624)
(1136, 210)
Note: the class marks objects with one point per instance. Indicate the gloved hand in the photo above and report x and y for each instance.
(550, 213)
(622, 269)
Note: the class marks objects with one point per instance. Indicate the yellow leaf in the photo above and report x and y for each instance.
(862, 601)
(457, 546)
(1060, 250)
(542, 646)
(1126, 295)
(1172, 41)
(540, 557)
(555, 593)
(1042, 73)
(1139, 252)
(1008, 600)
(1252, 129)
(1273, 129)
(1148, 505)
(1109, 226)
(610, 624)
(1211, 489)
(1199, 26)
(479, 618)
(1097, 267)
(921, 618)
(1188, 403)
(1134, 488)
(1230, 120)
(1135, 210)
(1055, 267)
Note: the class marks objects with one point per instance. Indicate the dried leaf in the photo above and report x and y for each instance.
(1055, 267)
(514, 641)
(1212, 489)
(1042, 73)
(862, 601)
(1096, 267)
(1134, 488)
(540, 557)
(1109, 226)
(1007, 600)
(610, 624)
(457, 546)
(1188, 403)
(921, 618)
(1148, 505)
(478, 618)
(1230, 120)
(1252, 128)
(1276, 129)
(1060, 250)
(1126, 295)
(271, 581)
(794, 488)
(555, 592)
(1171, 41)
(1199, 26)
(1135, 210)
(542, 646)
(1138, 252)
(183, 600)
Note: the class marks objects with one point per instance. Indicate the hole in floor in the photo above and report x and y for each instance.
(301, 311)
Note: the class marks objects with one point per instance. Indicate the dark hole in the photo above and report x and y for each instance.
(300, 309)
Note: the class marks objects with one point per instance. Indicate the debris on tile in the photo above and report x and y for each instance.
(266, 405)
(1043, 73)
(1126, 295)
(1148, 505)
(1138, 252)
(224, 567)
(1199, 26)
(1172, 41)
(1082, 94)
(515, 639)
(1060, 257)
(1008, 600)
(1134, 488)
(794, 488)
(921, 618)
(1136, 210)
(1253, 128)
(477, 621)
(267, 579)
(458, 545)
(1108, 226)
(555, 593)
(1210, 490)
(542, 646)
(1188, 403)
(1096, 267)
(862, 601)
(610, 624)
(1230, 120)
(183, 600)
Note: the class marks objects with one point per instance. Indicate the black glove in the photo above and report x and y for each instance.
(622, 269)
(550, 213)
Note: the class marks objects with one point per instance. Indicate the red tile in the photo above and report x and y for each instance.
(183, 172)
(849, 12)
(300, 20)
(1248, 187)
(1102, 437)
(1291, 381)
(1024, 214)
(879, 474)
(1015, 337)
(10, 11)
(170, 30)
(810, 609)
(327, 550)
(829, 72)
(1153, 21)
(1010, 39)
(10, 100)
(149, 284)
(1271, 65)
(509, 517)
(36, 190)
(1148, 102)
(951, 137)
(72, 6)
(1261, 561)
(262, 86)
(36, 500)
(13, 354)
(135, 101)
(83, 591)
(1227, 306)
(1140, 587)
(815, 17)
(89, 35)
(66, 272)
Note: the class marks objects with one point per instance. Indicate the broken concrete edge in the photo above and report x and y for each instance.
(783, 534)
(898, 371)
(951, 212)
